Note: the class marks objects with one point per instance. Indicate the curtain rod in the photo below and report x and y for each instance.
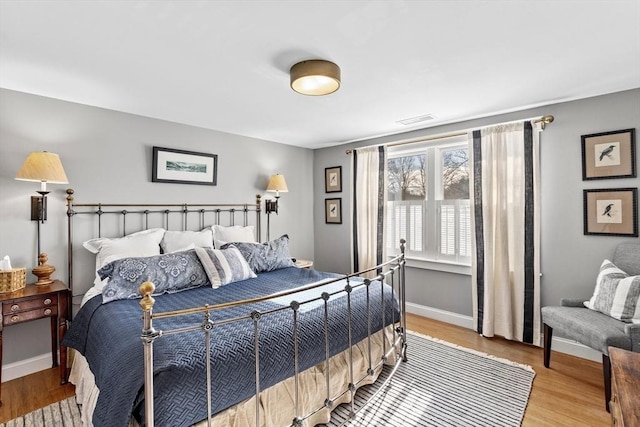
(544, 120)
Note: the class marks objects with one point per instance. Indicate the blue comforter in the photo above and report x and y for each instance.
(108, 335)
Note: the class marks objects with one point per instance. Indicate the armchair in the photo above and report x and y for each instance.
(592, 328)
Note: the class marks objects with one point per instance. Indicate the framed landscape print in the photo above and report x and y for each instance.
(333, 179)
(185, 167)
(611, 212)
(333, 211)
(609, 155)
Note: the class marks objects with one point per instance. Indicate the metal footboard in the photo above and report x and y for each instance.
(393, 273)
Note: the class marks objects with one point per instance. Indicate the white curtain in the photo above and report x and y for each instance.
(369, 200)
(505, 220)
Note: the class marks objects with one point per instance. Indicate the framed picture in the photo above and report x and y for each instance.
(185, 167)
(333, 211)
(611, 212)
(609, 155)
(333, 179)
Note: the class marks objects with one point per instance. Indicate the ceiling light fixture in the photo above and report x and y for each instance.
(315, 77)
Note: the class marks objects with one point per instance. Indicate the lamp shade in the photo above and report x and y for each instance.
(43, 167)
(277, 183)
(315, 77)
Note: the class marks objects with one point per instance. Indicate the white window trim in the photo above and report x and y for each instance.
(437, 265)
(430, 228)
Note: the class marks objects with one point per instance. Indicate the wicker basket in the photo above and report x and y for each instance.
(12, 280)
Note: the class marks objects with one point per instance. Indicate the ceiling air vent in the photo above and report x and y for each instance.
(414, 120)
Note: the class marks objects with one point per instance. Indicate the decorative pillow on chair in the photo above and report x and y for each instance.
(224, 266)
(616, 294)
(174, 241)
(268, 256)
(234, 233)
(170, 273)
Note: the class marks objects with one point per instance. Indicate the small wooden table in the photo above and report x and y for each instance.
(37, 302)
(625, 387)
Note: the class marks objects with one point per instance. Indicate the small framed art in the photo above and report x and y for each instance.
(611, 212)
(184, 167)
(333, 179)
(333, 211)
(609, 155)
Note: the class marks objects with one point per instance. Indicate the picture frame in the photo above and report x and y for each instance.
(609, 155)
(611, 212)
(333, 179)
(333, 211)
(184, 167)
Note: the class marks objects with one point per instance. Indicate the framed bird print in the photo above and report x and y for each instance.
(609, 155)
(611, 212)
(333, 179)
(333, 211)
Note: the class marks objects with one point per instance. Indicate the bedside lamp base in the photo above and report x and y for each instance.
(43, 271)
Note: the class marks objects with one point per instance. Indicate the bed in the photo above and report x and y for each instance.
(284, 346)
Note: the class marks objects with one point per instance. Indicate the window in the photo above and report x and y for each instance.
(428, 200)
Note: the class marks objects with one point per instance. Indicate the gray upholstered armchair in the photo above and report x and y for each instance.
(594, 329)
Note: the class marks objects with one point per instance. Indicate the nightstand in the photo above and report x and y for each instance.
(38, 302)
(304, 263)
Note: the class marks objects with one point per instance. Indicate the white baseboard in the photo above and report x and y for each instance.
(11, 371)
(441, 315)
(567, 346)
(561, 345)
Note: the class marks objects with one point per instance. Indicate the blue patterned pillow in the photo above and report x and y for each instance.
(224, 266)
(268, 256)
(170, 273)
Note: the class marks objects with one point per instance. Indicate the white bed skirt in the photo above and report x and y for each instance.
(277, 403)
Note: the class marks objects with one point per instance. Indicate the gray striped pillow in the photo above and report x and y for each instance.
(616, 294)
(224, 266)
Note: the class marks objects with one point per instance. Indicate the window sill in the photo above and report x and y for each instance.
(445, 266)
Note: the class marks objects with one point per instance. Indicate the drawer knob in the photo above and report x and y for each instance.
(47, 301)
(47, 312)
(15, 307)
(15, 319)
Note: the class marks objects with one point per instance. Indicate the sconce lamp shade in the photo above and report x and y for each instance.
(43, 167)
(277, 184)
(315, 77)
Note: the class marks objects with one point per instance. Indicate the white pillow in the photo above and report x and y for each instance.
(616, 294)
(140, 244)
(174, 241)
(234, 233)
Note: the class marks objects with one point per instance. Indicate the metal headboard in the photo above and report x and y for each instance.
(205, 214)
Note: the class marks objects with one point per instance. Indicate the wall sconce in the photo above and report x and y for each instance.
(45, 168)
(277, 184)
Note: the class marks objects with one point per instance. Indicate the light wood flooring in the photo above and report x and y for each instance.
(570, 393)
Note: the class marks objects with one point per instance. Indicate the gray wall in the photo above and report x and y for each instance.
(570, 260)
(107, 158)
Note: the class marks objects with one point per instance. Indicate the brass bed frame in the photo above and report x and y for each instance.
(392, 272)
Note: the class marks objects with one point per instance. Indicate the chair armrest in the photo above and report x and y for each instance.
(572, 302)
(633, 330)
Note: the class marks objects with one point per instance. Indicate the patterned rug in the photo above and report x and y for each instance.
(441, 385)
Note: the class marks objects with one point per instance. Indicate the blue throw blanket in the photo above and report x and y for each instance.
(108, 335)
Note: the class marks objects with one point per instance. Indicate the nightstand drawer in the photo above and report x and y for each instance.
(46, 301)
(25, 316)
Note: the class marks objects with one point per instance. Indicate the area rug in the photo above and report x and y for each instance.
(441, 385)
(445, 385)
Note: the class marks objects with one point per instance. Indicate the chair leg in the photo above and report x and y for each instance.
(606, 370)
(548, 334)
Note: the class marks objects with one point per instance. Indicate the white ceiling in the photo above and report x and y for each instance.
(224, 64)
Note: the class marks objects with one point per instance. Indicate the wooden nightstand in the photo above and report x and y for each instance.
(304, 263)
(37, 302)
